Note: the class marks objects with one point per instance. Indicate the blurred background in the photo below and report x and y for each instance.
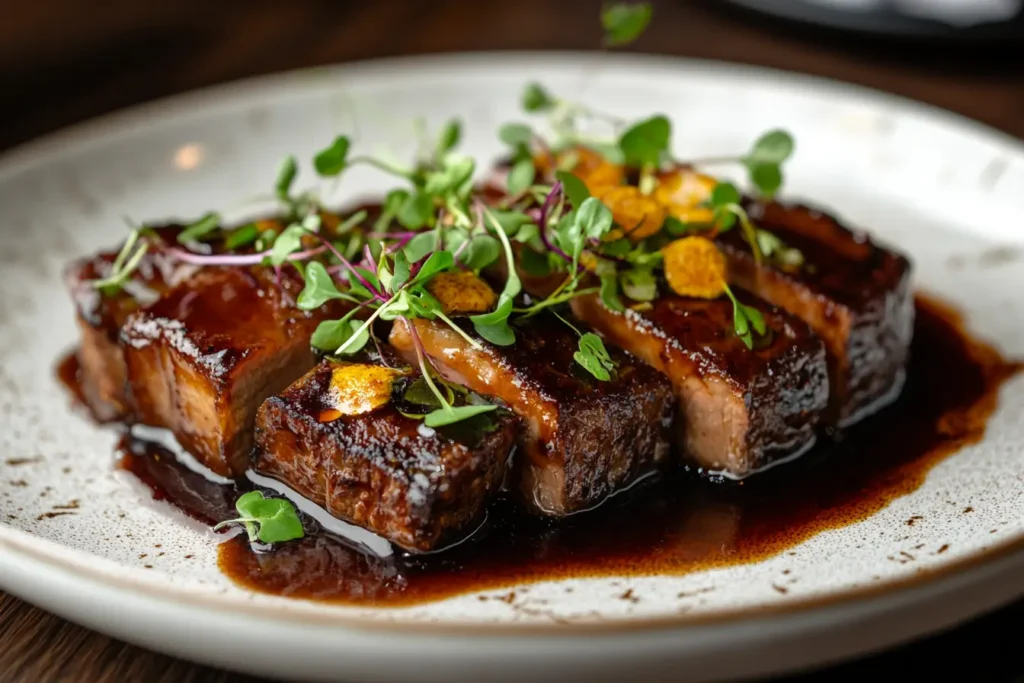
(62, 61)
(65, 60)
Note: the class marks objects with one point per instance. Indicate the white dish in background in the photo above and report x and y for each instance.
(935, 184)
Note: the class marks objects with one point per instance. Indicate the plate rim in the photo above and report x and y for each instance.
(24, 546)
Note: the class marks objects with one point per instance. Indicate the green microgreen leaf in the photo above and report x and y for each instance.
(200, 228)
(494, 326)
(536, 99)
(593, 356)
(767, 178)
(640, 284)
(594, 218)
(450, 415)
(331, 334)
(319, 289)
(285, 177)
(483, 250)
(286, 244)
(516, 135)
(393, 202)
(676, 228)
(623, 23)
(774, 147)
(448, 139)
(521, 176)
(511, 221)
(609, 293)
(438, 261)
(575, 189)
(455, 170)
(722, 197)
(644, 143)
(269, 520)
(746, 320)
(125, 263)
(416, 211)
(775, 249)
(401, 272)
(242, 236)
(418, 393)
(618, 248)
(419, 246)
(332, 160)
(351, 222)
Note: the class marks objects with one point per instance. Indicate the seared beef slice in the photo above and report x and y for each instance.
(584, 439)
(856, 295)
(739, 409)
(100, 316)
(202, 359)
(388, 473)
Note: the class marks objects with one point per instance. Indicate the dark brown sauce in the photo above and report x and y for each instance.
(674, 526)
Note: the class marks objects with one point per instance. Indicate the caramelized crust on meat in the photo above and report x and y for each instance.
(584, 439)
(738, 408)
(202, 358)
(854, 294)
(419, 488)
(99, 318)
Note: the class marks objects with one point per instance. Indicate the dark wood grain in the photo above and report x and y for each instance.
(62, 61)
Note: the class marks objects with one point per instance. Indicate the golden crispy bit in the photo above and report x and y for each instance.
(357, 389)
(596, 172)
(695, 267)
(462, 293)
(638, 215)
(588, 261)
(603, 177)
(682, 191)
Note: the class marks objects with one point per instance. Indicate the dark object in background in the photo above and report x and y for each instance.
(972, 21)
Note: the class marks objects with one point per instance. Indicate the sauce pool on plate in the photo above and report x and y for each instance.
(678, 524)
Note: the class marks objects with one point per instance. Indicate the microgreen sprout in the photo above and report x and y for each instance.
(267, 520)
(747, 320)
(623, 22)
(127, 260)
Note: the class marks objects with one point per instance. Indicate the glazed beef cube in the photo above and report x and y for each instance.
(856, 295)
(99, 318)
(584, 439)
(417, 487)
(739, 409)
(202, 358)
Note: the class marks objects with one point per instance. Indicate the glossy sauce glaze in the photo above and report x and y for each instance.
(676, 525)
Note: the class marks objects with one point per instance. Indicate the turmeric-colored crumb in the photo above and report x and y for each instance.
(358, 388)
(695, 267)
(682, 191)
(329, 415)
(638, 215)
(596, 172)
(462, 293)
(602, 177)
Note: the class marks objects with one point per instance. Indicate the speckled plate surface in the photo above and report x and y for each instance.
(79, 538)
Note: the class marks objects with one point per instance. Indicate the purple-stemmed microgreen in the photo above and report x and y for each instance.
(447, 414)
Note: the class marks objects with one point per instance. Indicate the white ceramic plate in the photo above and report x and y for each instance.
(935, 184)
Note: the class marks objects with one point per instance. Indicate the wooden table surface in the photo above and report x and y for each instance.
(62, 61)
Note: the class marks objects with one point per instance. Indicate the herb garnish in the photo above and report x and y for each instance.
(268, 520)
(623, 23)
(125, 263)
